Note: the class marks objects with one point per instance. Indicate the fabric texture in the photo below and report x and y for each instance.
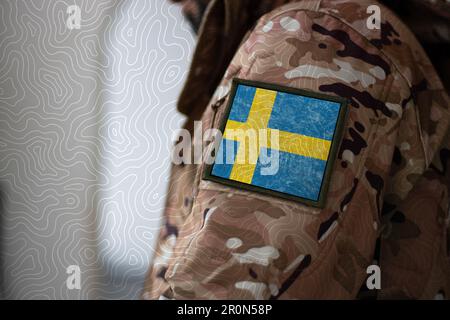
(390, 180)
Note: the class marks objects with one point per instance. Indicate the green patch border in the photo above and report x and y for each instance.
(335, 142)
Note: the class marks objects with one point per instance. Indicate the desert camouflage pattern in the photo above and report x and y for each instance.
(390, 180)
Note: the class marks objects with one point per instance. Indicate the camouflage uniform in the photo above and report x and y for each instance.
(390, 180)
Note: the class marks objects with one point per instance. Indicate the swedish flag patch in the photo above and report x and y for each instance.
(278, 140)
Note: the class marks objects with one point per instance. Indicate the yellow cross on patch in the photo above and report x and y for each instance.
(302, 128)
(256, 123)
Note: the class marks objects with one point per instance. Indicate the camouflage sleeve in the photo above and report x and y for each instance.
(240, 244)
(415, 247)
(237, 244)
(414, 257)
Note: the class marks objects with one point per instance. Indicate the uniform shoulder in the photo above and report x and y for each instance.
(393, 39)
